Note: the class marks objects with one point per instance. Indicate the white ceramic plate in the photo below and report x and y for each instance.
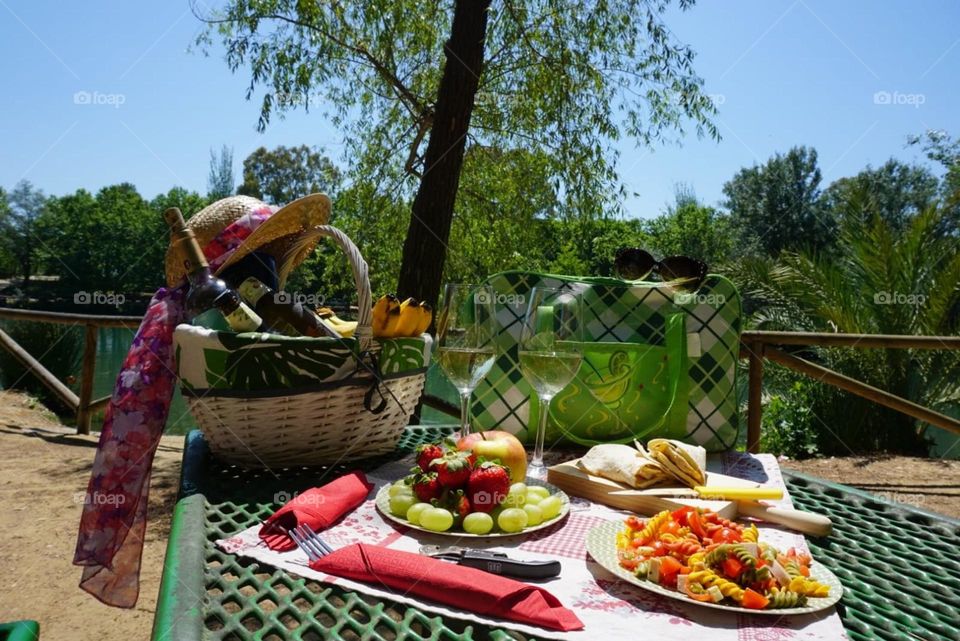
(602, 546)
(383, 504)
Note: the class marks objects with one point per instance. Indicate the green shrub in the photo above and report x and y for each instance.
(789, 425)
(57, 347)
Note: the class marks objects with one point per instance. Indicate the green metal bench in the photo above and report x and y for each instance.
(898, 565)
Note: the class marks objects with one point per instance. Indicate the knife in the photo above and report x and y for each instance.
(702, 492)
(493, 562)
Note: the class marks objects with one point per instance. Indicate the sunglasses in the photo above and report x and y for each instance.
(632, 263)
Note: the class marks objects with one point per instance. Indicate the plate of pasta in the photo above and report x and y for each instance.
(697, 556)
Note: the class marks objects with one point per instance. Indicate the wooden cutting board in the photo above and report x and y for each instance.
(575, 481)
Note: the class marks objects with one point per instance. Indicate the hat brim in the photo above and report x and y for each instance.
(293, 218)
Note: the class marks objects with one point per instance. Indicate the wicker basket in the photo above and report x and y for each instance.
(264, 400)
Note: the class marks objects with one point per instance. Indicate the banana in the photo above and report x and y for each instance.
(390, 326)
(426, 315)
(381, 313)
(329, 318)
(409, 318)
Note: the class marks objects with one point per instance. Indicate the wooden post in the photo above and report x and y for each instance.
(755, 352)
(88, 368)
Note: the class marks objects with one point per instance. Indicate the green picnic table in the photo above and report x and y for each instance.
(899, 565)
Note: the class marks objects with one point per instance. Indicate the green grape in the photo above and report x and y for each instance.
(477, 523)
(400, 503)
(399, 488)
(539, 490)
(413, 514)
(512, 519)
(436, 519)
(550, 507)
(534, 514)
(517, 495)
(533, 498)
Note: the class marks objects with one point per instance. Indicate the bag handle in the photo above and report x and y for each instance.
(675, 342)
(361, 278)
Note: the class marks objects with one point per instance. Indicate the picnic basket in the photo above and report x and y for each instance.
(266, 400)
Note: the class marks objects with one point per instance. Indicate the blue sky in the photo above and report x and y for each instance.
(784, 72)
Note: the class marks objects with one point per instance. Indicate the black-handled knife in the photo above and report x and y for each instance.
(494, 562)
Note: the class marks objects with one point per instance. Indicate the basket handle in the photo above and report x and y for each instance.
(364, 331)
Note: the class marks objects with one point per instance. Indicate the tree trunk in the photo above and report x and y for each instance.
(424, 249)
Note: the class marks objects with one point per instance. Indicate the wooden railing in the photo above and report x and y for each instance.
(755, 346)
(83, 405)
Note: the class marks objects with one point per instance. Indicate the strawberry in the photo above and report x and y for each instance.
(427, 487)
(461, 506)
(453, 469)
(426, 454)
(488, 486)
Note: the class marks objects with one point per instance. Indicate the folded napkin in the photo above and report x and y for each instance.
(455, 585)
(319, 507)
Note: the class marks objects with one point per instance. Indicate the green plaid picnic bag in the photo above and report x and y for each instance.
(658, 362)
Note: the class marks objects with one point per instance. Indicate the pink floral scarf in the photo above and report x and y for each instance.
(114, 520)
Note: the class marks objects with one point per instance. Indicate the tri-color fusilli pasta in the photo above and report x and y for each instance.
(713, 559)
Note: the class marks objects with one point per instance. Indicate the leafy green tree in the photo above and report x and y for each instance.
(8, 264)
(113, 242)
(888, 281)
(220, 180)
(777, 205)
(894, 191)
(287, 173)
(413, 85)
(689, 228)
(189, 202)
(943, 149)
(19, 232)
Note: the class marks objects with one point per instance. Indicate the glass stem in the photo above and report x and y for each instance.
(537, 460)
(464, 413)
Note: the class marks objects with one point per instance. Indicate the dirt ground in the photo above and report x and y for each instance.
(46, 468)
(43, 475)
(928, 484)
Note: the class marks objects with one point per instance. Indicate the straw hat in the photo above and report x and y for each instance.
(275, 236)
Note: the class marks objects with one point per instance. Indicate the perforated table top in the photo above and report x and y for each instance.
(898, 565)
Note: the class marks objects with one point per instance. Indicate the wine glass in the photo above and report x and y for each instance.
(550, 352)
(465, 349)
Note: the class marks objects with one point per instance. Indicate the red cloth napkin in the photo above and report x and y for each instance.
(462, 587)
(318, 507)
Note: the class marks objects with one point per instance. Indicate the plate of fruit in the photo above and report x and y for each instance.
(474, 487)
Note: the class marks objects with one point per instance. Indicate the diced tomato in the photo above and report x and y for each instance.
(761, 563)
(630, 564)
(732, 568)
(754, 600)
(659, 549)
(804, 570)
(685, 570)
(670, 527)
(696, 525)
(726, 535)
(634, 523)
(698, 596)
(680, 515)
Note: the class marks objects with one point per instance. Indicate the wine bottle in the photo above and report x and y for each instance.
(279, 315)
(206, 290)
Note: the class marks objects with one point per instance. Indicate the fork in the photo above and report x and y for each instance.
(310, 542)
